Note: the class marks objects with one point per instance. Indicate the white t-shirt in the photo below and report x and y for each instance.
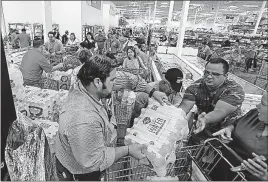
(75, 42)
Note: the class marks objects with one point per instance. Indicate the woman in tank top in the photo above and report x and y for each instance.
(133, 61)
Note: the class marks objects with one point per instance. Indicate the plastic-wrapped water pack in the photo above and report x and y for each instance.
(159, 127)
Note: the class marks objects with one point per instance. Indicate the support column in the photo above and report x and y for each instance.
(155, 3)
(183, 21)
(106, 17)
(149, 15)
(217, 11)
(259, 17)
(47, 18)
(196, 10)
(170, 12)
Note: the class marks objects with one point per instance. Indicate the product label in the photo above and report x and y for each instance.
(156, 125)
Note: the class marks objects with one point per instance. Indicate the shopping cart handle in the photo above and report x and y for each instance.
(223, 144)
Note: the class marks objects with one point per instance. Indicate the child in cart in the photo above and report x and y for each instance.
(248, 138)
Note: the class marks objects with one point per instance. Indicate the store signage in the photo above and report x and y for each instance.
(230, 18)
(96, 4)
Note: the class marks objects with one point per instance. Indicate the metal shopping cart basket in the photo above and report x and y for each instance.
(197, 162)
(122, 113)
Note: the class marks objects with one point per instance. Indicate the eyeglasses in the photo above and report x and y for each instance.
(206, 73)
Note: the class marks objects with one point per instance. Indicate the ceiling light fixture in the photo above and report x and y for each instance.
(250, 6)
(233, 7)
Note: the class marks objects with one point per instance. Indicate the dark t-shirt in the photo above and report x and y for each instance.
(205, 100)
(87, 44)
(140, 40)
(247, 138)
(226, 43)
(64, 39)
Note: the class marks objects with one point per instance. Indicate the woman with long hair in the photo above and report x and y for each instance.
(73, 41)
(133, 61)
(89, 43)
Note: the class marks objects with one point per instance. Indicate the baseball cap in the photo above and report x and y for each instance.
(172, 75)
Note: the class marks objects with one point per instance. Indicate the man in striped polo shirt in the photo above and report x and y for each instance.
(218, 99)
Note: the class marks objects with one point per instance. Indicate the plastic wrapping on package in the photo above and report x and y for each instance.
(27, 153)
(50, 129)
(23, 106)
(16, 81)
(57, 80)
(159, 127)
(41, 103)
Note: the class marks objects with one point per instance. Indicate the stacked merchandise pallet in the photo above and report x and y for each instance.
(41, 105)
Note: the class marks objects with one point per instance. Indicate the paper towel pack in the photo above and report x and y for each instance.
(58, 80)
(41, 104)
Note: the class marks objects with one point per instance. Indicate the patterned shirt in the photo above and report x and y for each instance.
(86, 135)
(125, 80)
(205, 100)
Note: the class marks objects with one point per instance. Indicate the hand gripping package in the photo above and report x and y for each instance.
(159, 127)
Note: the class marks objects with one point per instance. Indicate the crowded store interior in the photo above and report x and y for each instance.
(134, 90)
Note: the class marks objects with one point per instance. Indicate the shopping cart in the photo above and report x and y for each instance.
(197, 162)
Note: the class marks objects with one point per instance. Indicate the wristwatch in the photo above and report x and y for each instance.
(152, 92)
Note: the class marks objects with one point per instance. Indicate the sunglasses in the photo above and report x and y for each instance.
(206, 73)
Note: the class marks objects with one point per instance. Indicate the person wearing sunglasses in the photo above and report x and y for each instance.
(218, 100)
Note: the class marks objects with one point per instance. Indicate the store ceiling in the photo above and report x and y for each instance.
(206, 9)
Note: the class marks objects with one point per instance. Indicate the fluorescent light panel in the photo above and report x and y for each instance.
(250, 6)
